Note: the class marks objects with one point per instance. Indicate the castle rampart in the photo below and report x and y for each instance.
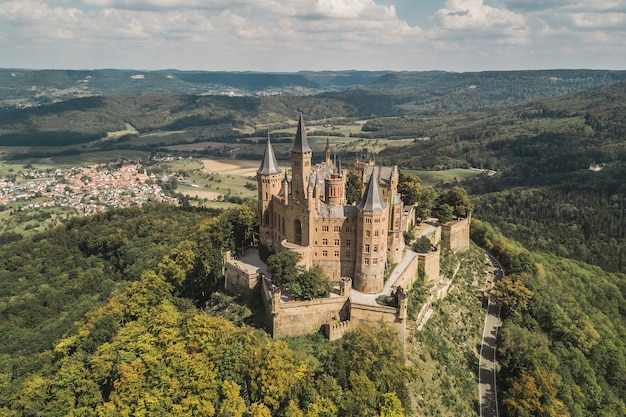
(455, 235)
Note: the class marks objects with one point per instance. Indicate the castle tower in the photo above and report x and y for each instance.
(268, 178)
(327, 151)
(334, 190)
(371, 249)
(300, 164)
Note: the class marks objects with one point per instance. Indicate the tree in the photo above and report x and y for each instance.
(353, 187)
(425, 201)
(284, 268)
(513, 294)
(409, 186)
(310, 284)
(232, 404)
(422, 245)
(391, 406)
(457, 198)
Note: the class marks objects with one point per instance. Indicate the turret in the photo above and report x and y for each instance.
(327, 151)
(300, 164)
(268, 178)
(371, 239)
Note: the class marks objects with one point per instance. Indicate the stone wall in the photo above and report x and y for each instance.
(298, 318)
(430, 262)
(365, 315)
(237, 279)
(456, 235)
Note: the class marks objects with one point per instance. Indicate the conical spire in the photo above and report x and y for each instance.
(268, 164)
(372, 199)
(301, 145)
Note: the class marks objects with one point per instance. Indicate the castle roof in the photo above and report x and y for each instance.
(301, 145)
(336, 212)
(268, 164)
(372, 199)
(385, 173)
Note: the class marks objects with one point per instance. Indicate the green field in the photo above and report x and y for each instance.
(432, 178)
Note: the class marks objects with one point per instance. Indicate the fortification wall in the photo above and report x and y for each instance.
(364, 315)
(238, 280)
(456, 235)
(408, 276)
(430, 262)
(297, 318)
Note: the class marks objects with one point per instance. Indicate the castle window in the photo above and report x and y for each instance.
(374, 261)
(367, 233)
(325, 242)
(348, 229)
(375, 248)
(376, 233)
(336, 242)
(367, 248)
(266, 196)
(336, 254)
(324, 228)
(348, 254)
(348, 242)
(368, 220)
(337, 228)
(376, 220)
(324, 253)
(367, 261)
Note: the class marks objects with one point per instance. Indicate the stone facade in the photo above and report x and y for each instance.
(455, 235)
(308, 214)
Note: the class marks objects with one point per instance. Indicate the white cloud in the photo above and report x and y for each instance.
(471, 19)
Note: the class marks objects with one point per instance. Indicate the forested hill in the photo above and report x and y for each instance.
(118, 314)
(425, 92)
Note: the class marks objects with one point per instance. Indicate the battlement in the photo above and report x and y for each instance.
(336, 331)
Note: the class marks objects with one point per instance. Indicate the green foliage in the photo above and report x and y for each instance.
(409, 186)
(422, 245)
(577, 223)
(554, 343)
(457, 200)
(283, 267)
(353, 187)
(312, 283)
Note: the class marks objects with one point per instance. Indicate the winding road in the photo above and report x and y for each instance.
(487, 365)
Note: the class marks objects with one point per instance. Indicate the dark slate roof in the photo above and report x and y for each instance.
(301, 145)
(385, 173)
(268, 164)
(336, 212)
(372, 199)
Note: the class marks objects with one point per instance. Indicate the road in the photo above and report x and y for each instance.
(487, 364)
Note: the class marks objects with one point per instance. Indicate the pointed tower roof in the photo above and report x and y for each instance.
(301, 145)
(268, 164)
(372, 199)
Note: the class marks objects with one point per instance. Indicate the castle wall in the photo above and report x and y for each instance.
(456, 235)
(362, 315)
(298, 318)
(238, 280)
(430, 262)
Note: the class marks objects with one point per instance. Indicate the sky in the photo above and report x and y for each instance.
(294, 35)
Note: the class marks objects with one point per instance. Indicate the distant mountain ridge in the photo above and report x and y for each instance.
(423, 91)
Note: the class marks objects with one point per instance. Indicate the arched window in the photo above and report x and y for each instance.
(297, 232)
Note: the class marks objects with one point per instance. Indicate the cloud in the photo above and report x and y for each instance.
(471, 19)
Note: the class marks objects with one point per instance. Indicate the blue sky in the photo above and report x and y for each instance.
(293, 35)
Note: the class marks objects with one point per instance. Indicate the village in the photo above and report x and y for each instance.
(88, 190)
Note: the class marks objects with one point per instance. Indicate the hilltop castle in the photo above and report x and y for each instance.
(355, 245)
(308, 214)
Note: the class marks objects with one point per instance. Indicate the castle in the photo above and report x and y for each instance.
(355, 245)
(308, 214)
